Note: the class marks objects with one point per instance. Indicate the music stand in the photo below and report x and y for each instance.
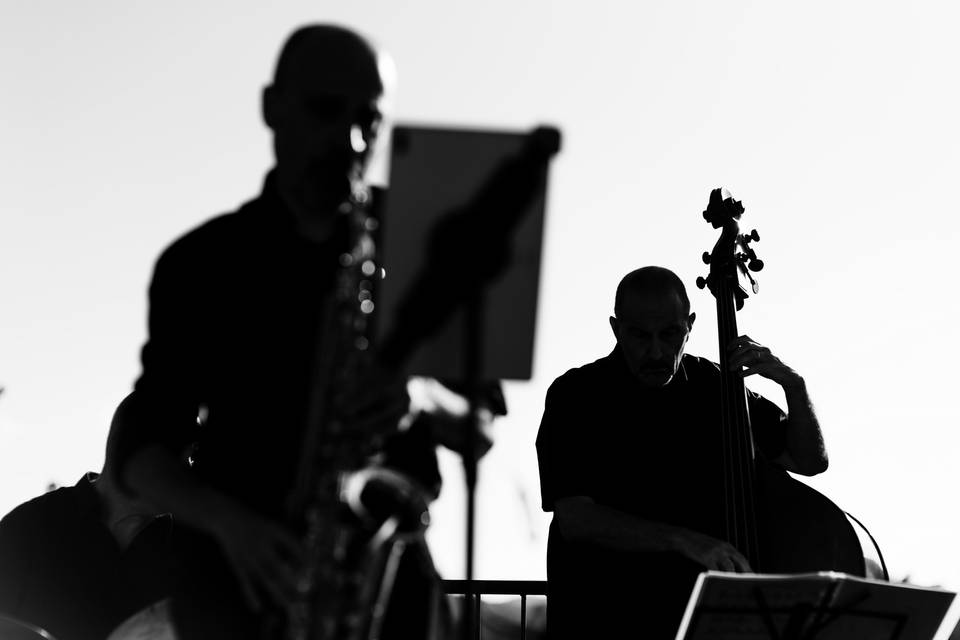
(461, 238)
(812, 606)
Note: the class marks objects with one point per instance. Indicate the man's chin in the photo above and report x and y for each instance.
(324, 199)
(316, 218)
(655, 378)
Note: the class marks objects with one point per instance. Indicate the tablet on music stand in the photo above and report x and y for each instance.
(463, 218)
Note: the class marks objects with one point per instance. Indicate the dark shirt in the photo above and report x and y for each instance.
(62, 570)
(235, 310)
(233, 313)
(652, 453)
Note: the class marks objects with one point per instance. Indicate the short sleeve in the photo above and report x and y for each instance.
(561, 447)
(769, 425)
(164, 405)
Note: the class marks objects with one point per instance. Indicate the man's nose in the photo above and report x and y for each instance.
(656, 349)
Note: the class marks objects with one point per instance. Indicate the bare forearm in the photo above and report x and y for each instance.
(804, 440)
(804, 452)
(262, 554)
(582, 520)
(160, 477)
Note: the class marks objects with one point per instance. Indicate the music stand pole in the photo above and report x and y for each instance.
(473, 367)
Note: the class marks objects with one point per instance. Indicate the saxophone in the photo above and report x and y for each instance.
(357, 516)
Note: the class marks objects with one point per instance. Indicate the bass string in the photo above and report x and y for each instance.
(738, 463)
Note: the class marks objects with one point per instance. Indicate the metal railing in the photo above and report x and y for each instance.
(475, 589)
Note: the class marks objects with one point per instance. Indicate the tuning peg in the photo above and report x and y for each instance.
(754, 236)
(753, 283)
(705, 257)
(701, 282)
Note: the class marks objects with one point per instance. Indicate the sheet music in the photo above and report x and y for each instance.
(814, 606)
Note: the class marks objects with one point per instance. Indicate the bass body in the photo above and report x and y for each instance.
(800, 530)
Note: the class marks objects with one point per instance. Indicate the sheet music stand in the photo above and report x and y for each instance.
(461, 234)
(813, 606)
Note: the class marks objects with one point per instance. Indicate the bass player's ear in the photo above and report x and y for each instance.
(690, 320)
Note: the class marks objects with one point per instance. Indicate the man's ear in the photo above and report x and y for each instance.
(615, 325)
(269, 106)
(690, 320)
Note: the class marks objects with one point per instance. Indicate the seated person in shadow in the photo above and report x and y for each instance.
(79, 560)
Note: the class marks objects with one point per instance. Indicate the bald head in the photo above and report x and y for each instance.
(652, 322)
(325, 109)
(330, 58)
(650, 281)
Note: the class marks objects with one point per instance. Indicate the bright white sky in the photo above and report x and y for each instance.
(123, 124)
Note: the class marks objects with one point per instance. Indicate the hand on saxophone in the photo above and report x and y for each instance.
(446, 414)
(375, 402)
(262, 554)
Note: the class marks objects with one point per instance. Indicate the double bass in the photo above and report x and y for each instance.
(778, 523)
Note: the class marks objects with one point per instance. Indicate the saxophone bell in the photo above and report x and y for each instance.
(376, 493)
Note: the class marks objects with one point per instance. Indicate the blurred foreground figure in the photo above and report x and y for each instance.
(249, 327)
(79, 560)
(631, 467)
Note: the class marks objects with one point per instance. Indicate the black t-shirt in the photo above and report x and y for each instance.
(234, 310)
(235, 314)
(234, 318)
(653, 453)
(62, 570)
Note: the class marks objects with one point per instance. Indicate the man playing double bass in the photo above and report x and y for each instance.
(630, 464)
